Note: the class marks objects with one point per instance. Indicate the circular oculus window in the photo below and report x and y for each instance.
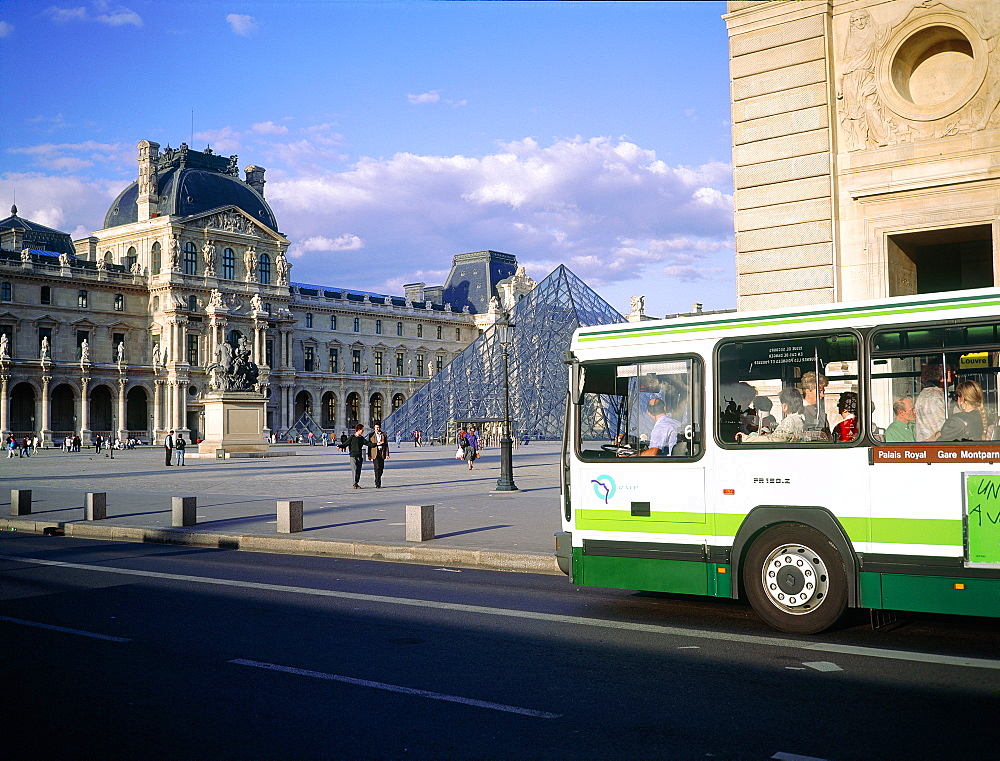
(934, 67)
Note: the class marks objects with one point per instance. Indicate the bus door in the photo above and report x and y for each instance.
(638, 448)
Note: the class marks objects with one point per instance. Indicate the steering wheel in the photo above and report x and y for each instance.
(618, 449)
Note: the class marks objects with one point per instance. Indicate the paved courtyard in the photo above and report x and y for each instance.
(238, 496)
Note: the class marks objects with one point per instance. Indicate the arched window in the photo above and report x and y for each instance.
(6, 292)
(156, 303)
(357, 325)
(329, 410)
(190, 262)
(375, 409)
(156, 259)
(397, 401)
(333, 322)
(420, 330)
(264, 269)
(130, 258)
(228, 264)
(353, 409)
(378, 327)
(309, 319)
(440, 329)
(399, 328)
(108, 258)
(458, 334)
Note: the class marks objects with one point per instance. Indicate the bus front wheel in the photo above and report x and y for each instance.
(794, 578)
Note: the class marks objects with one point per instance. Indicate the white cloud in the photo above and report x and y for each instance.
(242, 24)
(105, 13)
(60, 201)
(270, 128)
(432, 96)
(72, 157)
(6, 30)
(428, 97)
(610, 210)
(225, 140)
(344, 242)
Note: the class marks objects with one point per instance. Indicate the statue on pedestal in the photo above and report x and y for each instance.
(234, 368)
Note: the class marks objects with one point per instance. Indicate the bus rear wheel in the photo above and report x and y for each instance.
(794, 578)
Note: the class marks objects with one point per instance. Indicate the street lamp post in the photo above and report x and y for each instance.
(505, 333)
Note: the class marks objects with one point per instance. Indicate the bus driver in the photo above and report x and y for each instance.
(663, 437)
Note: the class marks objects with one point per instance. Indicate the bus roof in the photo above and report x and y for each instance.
(925, 307)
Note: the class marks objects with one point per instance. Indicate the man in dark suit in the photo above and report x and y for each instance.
(378, 452)
(356, 449)
(168, 446)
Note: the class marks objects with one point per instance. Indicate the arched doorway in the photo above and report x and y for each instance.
(329, 404)
(303, 404)
(22, 408)
(375, 405)
(397, 401)
(100, 409)
(136, 409)
(353, 409)
(63, 417)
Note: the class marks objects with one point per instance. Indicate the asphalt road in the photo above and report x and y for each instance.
(126, 651)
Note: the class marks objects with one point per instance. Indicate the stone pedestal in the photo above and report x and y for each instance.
(234, 423)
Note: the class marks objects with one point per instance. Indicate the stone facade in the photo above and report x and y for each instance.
(865, 137)
(156, 295)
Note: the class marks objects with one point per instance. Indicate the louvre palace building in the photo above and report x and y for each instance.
(117, 333)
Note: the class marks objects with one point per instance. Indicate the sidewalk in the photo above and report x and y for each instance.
(237, 502)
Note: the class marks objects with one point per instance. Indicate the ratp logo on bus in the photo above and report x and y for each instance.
(604, 487)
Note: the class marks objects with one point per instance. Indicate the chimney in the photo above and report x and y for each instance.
(696, 307)
(148, 200)
(255, 178)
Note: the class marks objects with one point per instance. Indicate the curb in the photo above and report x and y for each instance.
(394, 553)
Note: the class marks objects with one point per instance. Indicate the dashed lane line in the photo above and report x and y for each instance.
(399, 688)
(751, 639)
(63, 629)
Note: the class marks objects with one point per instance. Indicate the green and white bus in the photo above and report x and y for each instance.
(809, 459)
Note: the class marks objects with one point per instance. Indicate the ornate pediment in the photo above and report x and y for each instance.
(232, 219)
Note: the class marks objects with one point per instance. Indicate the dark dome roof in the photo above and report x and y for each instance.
(185, 190)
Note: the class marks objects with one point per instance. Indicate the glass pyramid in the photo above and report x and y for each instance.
(470, 390)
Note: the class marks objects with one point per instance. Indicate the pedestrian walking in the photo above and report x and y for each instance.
(378, 453)
(168, 447)
(311, 438)
(11, 446)
(356, 446)
(97, 443)
(465, 446)
(179, 446)
(25, 447)
(474, 441)
(399, 439)
(76, 443)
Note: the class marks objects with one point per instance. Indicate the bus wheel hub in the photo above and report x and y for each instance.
(795, 578)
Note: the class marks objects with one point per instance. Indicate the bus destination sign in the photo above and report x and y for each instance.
(911, 453)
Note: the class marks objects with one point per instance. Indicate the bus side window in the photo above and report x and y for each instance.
(789, 390)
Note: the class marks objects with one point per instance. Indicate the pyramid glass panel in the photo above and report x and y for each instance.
(471, 388)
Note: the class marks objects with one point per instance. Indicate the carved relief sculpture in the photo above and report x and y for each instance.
(174, 253)
(250, 264)
(861, 113)
(284, 268)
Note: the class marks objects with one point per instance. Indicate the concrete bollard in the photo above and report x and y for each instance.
(20, 501)
(419, 523)
(289, 516)
(96, 508)
(184, 511)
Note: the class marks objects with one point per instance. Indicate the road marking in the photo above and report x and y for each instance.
(794, 757)
(822, 665)
(399, 688)
(750, 639)
(64, 630)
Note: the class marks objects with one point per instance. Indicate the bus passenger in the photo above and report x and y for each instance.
(817, 427)
(847, 406)
(931, 405)
(765, 420)
(902, 430)
(663, 437)
(792, 422)
(969, 423)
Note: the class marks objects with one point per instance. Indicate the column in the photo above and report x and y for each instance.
(84, 418)
(44, 434)
(157, 409)
(122, 429)
(4, 405)
(180, 410)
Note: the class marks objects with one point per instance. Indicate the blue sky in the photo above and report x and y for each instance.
(397, 134)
